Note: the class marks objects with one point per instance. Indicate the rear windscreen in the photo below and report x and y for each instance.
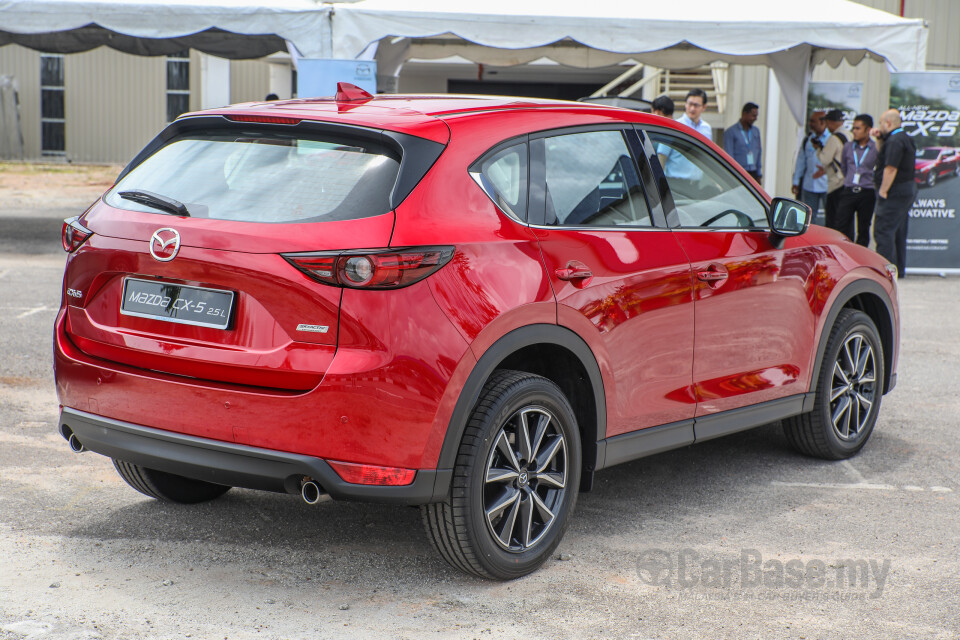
(262, 177)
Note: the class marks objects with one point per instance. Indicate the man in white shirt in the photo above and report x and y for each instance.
(675, 164)
(693, 109)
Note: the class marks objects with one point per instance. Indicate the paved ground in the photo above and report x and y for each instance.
(735, 538)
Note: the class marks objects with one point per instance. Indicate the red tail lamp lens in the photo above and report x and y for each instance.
(371, 474)
(372, 269)
(73, 234)
(236, 117)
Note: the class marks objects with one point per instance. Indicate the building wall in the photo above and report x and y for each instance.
(249, 80)
(24, 65)
(114, 104)
(943, 21)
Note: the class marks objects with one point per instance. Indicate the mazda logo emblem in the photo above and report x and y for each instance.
(164, 244)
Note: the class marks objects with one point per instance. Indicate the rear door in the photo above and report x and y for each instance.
(621, 279)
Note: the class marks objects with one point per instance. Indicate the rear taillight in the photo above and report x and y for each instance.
(73, 234)
(373, 268)
(372, 474)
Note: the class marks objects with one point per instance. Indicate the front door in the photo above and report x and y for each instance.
(621, 279)
(754, 323)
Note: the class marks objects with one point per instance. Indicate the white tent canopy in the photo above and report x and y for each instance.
(225, 28)
(788, 37)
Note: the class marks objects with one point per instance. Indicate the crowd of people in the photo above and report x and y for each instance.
(862, 176)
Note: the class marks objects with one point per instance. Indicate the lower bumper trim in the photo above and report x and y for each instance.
(237, 465)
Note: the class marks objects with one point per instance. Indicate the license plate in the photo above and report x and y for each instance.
(178, 303)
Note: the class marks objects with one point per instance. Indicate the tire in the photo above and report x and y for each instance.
(848, 396)
(505, 516)
(167, 486)
(932, 178)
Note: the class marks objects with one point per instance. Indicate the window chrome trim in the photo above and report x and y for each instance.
(478, 178)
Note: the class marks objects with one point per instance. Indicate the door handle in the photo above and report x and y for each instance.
(714, 275)
(574, 271)
(711, 276)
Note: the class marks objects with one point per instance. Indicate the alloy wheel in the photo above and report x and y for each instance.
(854, 387)
(525, 479)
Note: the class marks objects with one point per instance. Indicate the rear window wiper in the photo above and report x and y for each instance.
(156, 201)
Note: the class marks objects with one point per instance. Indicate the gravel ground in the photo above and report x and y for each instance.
(734, 538)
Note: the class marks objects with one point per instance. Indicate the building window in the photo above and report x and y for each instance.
(178, 84)
(52, 122)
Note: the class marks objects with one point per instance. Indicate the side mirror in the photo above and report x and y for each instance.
(788, 218)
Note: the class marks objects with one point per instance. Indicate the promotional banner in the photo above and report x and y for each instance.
(929, 104)
(846, 96)
(826, 96)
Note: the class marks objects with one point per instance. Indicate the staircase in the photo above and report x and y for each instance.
(712, 78)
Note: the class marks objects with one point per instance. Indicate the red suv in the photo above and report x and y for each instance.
(933, 163)
(469, 304)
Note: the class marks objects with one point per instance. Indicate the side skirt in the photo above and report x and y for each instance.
(653, 440)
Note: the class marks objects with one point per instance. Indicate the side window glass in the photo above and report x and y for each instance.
(591, 180)
(503, 176)
(705, 192)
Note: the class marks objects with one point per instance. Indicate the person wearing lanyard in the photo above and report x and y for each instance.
(896, 189)
(857, 162)
(742, 141)
(809, 176)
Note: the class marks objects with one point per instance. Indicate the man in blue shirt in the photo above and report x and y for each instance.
(809, 176)
(742, 141)
(859, 196)
(675, 164)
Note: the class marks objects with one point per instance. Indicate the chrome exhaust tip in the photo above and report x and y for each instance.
(310, 492)
(75, 444)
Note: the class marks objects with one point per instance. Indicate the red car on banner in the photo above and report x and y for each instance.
(933, 163)
(468, 304)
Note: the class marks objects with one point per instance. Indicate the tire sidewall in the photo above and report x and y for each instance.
(535, 392)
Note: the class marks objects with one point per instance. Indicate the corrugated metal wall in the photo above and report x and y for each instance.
(24, 65)
(249, 80)
(943, 21)
(115, 103)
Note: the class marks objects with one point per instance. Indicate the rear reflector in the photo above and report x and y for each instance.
(236, 117)
(371, 474)
(373, 268)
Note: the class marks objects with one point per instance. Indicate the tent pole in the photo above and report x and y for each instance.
(326, 34)
(214, 81)
(771, 141)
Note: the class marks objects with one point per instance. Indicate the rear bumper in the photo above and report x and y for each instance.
(237, 465)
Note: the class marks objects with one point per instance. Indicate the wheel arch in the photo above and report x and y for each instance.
(555, 353)
(869, 297)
